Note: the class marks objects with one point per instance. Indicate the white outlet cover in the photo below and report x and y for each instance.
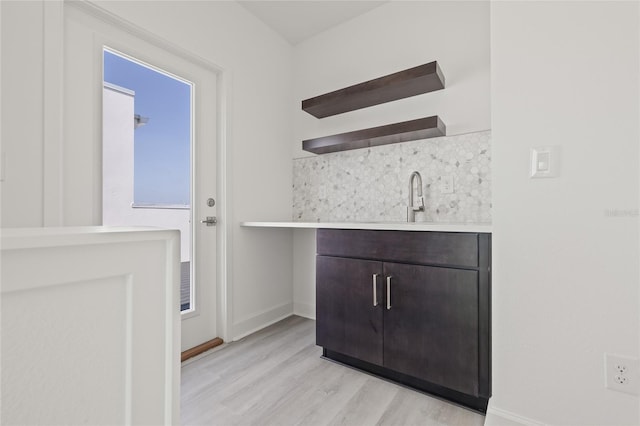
(622, 373)
(545, 162)
(447, 184)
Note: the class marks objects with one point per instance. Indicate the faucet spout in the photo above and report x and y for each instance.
(418, 205)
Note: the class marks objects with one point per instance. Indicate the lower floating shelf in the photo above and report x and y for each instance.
(422, 128)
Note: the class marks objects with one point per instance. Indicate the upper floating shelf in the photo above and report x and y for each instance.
(403, 84)
(422, 128)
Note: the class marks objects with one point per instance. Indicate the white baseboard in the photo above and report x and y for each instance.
(498, 417)
(259, 321)
(304, 310)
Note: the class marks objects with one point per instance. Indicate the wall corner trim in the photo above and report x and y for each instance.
(257, 322)
(305, 310)
(499, 417)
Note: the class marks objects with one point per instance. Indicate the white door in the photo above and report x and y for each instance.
(85, 39)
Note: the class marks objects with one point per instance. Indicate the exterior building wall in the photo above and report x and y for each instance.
(118, 169)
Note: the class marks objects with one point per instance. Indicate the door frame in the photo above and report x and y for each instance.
(53, 110)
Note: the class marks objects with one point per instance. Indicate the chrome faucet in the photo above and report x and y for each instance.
(419, 204)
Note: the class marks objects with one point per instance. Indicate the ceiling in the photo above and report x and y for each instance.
(299, 20)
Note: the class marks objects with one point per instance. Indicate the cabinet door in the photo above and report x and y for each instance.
(346, 319)
(431, 329)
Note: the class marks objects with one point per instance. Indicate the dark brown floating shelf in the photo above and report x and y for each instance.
(403, 84)
(422, 128)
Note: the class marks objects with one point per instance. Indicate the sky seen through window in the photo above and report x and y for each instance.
(162, 146)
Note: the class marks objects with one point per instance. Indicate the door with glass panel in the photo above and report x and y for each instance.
(158, 121)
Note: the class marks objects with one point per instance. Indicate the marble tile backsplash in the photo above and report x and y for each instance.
(372, 184)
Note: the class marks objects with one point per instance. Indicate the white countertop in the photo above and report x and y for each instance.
(387, 226)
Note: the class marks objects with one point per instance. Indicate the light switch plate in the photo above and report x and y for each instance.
(545, 161)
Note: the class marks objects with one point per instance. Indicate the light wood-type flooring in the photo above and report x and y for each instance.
(276, 377)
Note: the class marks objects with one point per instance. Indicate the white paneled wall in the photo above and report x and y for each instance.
(90, 326)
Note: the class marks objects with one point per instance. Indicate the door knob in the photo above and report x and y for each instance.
(210, 221)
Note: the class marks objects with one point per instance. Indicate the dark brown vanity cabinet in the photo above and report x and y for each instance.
(347, 320)
(410, 306)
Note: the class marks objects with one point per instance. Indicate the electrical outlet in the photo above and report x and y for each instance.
(621, 373)
(446, 184)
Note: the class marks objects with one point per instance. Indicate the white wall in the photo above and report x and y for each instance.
(565, 281)
(390, 38)
(257, 64)
(304, 272)
(22, 113)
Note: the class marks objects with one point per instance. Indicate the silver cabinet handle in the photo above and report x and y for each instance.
(375, 290)
(389, 293)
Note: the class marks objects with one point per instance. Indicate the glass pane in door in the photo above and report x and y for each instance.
(147, 139)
